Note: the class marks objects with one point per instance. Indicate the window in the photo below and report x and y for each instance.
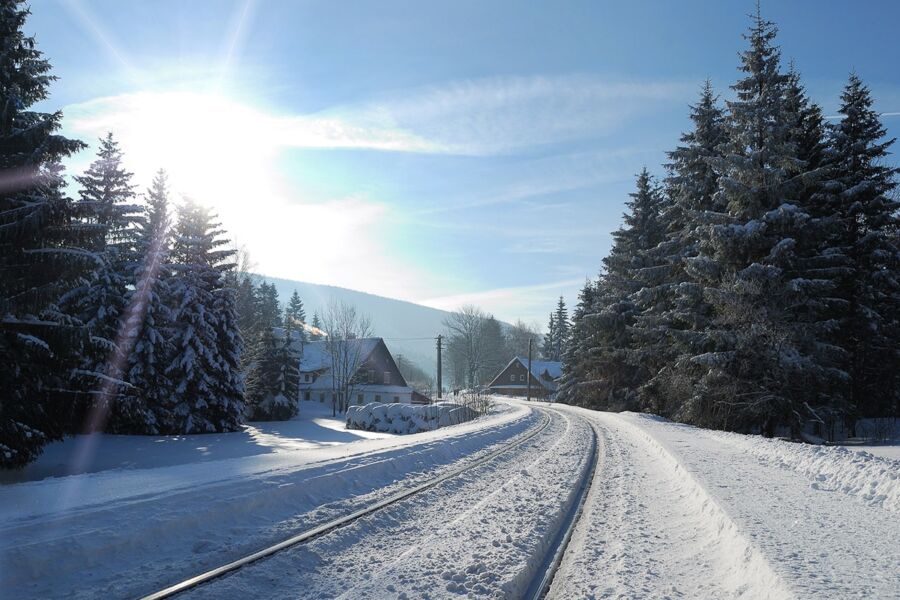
(521, 378)
(512, 377)
(306, 396)
(396, 398)
(371, 375)
(377, 397)
(387, 378)
(306, 378)
(359, 399)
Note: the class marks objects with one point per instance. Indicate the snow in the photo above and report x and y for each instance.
(686, 512)
(313, 427)
(128, 530)
(483, 534)
(674, 511)
(407, 418)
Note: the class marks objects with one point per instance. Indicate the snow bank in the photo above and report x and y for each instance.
(874, 480)
(407, 418)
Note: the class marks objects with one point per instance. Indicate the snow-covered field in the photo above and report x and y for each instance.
(674, 512)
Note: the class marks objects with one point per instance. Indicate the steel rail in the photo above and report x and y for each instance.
(543, 579)
(340, 522)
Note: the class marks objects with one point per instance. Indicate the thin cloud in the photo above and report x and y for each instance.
(528, 301)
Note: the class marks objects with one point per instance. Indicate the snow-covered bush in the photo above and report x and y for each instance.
(407, 418)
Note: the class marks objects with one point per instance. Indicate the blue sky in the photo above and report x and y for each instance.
(439, 152)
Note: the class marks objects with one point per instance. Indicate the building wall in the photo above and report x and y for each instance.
(360, 396)
(515, 374)
(537, 391)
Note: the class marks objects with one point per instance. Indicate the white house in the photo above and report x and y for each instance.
(378, 378)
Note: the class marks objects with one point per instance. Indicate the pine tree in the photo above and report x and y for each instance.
(860, 197)
(317, 327)
(145, 406)
(561, 333)
(208, 394)
(495, 352)
(577, 386)
(618, 373)
(548, 348)
(758, 364)
(101, 302)
(43, 252)
(674, 312)
(295, 317)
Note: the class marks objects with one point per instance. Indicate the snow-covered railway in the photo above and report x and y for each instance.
(495, 530)
(334, 524)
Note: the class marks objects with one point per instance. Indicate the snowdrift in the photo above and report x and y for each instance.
(407, 418)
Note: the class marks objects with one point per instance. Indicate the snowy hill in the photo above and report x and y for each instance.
(394, 320)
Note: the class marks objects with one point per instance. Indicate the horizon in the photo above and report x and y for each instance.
(490, 170)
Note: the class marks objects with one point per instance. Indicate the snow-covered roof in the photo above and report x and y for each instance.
(539, 367)
(314, 356)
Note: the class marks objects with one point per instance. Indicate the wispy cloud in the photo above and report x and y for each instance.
(529, 302)
(478, 117)
(504, 114)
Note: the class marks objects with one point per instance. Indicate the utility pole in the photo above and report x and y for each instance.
(439, 384)
(528, 376)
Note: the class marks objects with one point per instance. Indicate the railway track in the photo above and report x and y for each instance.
(543, 580)
(325, 528)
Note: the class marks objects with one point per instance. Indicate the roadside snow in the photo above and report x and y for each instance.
(708, 514)
(407, 418)
(882, 450)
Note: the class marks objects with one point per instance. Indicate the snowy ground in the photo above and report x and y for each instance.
(681, 512)
(674, 512)
(314, 427)
(123, 532)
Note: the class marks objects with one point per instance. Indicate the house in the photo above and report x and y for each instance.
(513, 379)
(376, 380)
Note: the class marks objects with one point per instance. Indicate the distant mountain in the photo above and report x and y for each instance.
(407, 328)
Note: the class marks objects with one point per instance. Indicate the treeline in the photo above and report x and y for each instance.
(478, 346)
(118, 315)
(756, 286)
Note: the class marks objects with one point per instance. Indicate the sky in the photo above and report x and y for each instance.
(444, 152)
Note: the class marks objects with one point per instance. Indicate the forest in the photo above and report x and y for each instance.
(754, 287)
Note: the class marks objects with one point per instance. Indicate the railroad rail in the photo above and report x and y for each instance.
(543, 580)
(320, 530)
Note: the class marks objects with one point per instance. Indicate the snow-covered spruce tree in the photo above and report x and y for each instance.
(295, 316)
(674, 312)
(495, 351)
(561, 333)
(106, 208)
(205, 367)
(577, 386)
(43, 252)
(860, 196)
(758, 371)
(273, 378)
(317, 327)
(145, 406)
(617, 374)
(548, 345)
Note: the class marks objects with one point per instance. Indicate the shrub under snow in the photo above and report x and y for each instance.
(407, 418)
